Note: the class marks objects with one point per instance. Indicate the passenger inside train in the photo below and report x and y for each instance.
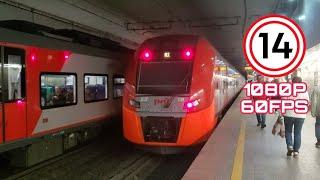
(57, 90)
(60, 97)
(96, 88)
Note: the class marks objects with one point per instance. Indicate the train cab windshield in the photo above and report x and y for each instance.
(164, 77)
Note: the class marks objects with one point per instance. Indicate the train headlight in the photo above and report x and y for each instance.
(195, 103)
(134, 103)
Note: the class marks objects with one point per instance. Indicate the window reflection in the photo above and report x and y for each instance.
(118, 83)
(58, 90)
(96, 87)
(12, 72)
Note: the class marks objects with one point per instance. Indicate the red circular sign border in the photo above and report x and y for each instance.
(274, 69)
(279, 16)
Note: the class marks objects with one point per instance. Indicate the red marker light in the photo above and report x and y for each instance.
(19, 101)
(33, 57)
(187, 54)
(66, 55)
(191, 104)
(146, 55)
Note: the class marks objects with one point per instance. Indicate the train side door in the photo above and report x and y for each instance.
(13, 105)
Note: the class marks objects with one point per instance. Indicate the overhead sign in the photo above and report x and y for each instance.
(274, 45)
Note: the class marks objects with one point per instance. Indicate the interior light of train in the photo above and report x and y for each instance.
(223, 68)
(166, 55)
(187, 54)
(302, 17)
(16, 66)
(146, 55)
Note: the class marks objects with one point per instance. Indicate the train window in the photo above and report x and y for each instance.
(118, 83)
(58, 89)
(14, 74)
(95, 87)
(237, 83)
(164, 78)
(118, 79)
(225, 84)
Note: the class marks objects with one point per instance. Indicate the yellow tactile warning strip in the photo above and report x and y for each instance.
(238, 158)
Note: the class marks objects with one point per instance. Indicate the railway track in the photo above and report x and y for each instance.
(109, 157)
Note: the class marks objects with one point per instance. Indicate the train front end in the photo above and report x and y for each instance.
(168, 94)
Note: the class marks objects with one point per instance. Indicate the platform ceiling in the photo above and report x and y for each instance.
(223, 22)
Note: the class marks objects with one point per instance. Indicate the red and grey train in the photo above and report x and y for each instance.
(176, 87)
(49, 85)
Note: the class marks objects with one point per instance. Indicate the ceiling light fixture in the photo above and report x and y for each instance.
(301, 17)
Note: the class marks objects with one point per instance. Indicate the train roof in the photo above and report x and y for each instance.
(172, 37)
(61, 39)
(175, 36)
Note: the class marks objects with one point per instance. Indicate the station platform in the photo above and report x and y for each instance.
(238, 149)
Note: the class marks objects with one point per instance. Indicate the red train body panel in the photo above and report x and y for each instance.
(173, 93)
(21, 113)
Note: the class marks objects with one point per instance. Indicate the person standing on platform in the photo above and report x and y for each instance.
(261, 118)
(278, 127)
(292, 119)
(315, 112)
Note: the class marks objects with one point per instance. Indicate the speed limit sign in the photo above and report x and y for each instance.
(274, 45)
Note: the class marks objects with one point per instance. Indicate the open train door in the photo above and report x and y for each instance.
(12, 94)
